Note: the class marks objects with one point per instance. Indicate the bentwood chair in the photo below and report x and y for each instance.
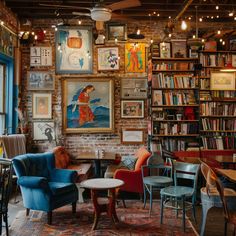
(176, 196)
(5, 190)
(229, 215)
(210, 196)
(159, 175)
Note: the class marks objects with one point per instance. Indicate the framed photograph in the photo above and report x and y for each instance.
(132, 109)
(43, 130)
(165, 50)
(116, 31)
(222, 81)
(74, 52)
(135, 57)
(134, 88)
(40, 80)
(132, 136)
(88, 105)
(108, 58)
(179, 48)
(42, 105)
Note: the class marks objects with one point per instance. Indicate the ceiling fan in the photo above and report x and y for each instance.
(101, 12)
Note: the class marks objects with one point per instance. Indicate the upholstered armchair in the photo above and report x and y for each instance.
(44, 187)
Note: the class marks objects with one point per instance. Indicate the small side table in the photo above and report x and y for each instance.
(96, 185)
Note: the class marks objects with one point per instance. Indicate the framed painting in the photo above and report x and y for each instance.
(116, 31)
(134, 88)
(108, 58)
(165, 50)
(179, 48)
(42, 105)
(135, 57)
(222, 81)
(43, 130)
(132, 136)
(88, 105)
(74, 50)
(132, 109)
(40, 80)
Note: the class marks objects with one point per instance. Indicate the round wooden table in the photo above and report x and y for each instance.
(98, 184)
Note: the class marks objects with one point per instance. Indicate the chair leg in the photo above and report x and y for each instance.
(123, 201)
(144, 196)
(74, 207)
(150, 210)
(49, 217)
(6, 223)
(27, 211)
(162, 205)
(205, 209)
(225, 231)
(183, 200)
(1, 216)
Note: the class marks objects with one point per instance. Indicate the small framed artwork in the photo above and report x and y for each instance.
(179, 48)
(165, 50)
(40, 80)
(132, 136)
(116, 31)
(134, 88)
(157, 98)
(222, 81)
(74, 50)
(40, 56)
(43, 131)
(132, 109)
(108, 58)
(42, 105)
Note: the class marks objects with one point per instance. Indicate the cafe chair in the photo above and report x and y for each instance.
(5, 190)
(175, 197)
(210, 196)
(43, 187)
(229, 215)
(159, 175)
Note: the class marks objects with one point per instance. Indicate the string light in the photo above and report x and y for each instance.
(170, 35)
(2, 22)
(235, 18)
(231, 13)
(116, 40)
(221, 40)
(79, 22)
(223, 43)
(44, 31)
(151, 41)
(55, 28)
(138, 32)
(203, 40)
(194, 36)
(183, 25)
(158, 14)
(218, 32)
(217, 7)
(35, 37)
(200, 19)
(169, 17)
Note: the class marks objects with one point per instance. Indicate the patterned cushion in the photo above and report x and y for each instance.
(142, 154)
(128, 162)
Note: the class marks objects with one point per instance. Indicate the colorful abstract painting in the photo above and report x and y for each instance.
(74, 50)
(87, 105)
(108, 58)
(135, 57)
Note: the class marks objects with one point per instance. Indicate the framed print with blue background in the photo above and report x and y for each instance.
(88, 105)
(74, 50)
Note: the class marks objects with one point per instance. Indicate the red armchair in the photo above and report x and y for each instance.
(133, 178)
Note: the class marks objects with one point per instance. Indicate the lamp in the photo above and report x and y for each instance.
(101, 14)
(136, 35)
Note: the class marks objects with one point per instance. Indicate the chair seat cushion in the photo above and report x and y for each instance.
(158, 181)
(177, 191)
(58, 188)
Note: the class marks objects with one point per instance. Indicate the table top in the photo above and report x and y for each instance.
(102, 183)
(94, 156)
(224, 158)
(230, 174)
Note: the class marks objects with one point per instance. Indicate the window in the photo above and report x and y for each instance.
(2, 98)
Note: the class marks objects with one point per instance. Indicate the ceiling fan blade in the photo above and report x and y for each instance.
(124, 4)
(80, 14)
(64, 7)
(115, 16)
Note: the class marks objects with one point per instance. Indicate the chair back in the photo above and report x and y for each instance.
(6, 170)
(13, 145)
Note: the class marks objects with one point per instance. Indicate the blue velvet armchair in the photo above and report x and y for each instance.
(44, 187)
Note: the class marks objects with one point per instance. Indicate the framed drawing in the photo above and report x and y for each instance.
(87, 105)
(40, 80)
(43, 131)
(132, 109)
(135, 57)
(108, 58)
(116, 31)
(74, 50)
(132, 136)
(165, 50)
(179, 48)
(40, 56)
(222, 81)
(134, 88)
(157, 98)
(42, 105)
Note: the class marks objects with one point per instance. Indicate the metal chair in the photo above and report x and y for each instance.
(5, 190)
(210, 196)
(159, 176)
(176, 197)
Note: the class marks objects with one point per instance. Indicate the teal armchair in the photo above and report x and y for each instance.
(44, 187)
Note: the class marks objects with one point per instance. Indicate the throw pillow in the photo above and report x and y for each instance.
(62, 158)
(142, 154)
(128, 162)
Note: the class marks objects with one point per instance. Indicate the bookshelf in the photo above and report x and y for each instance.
(173, 103)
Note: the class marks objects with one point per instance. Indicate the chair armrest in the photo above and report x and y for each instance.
(63, 175)
(32, 182)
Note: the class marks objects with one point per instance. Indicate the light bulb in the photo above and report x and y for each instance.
(2, 22)
(169, 17)
(194, 36)
(223, 43)
(169, 35)
(200, 19)
(231, 14)
(217, 7)
(218, 32)
(221, 40)
(35, 37)
(158, 14)
(203, 40)
(151, 41)
(56, 29)
(44, 31)
(79, 22)
(235, 18)
(183, 25)
(32, 33)
(217, 16)
(138, 31)
(116, 40)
